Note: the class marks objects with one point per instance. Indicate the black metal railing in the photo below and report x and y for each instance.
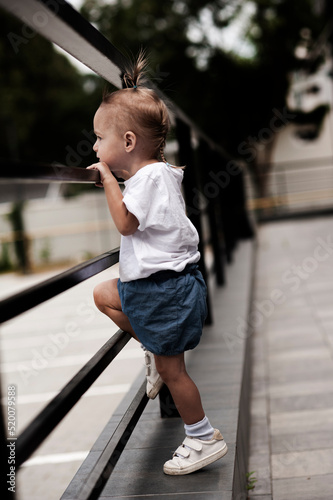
(224, 209)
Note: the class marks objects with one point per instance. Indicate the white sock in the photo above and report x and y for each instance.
(200, 430)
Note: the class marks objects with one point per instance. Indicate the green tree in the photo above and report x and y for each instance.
(229, 96)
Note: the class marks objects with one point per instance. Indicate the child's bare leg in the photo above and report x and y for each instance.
(203, 444)
(107, 300)
(183, 390)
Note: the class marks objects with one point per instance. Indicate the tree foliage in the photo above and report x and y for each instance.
(44, 104)
(229, 96)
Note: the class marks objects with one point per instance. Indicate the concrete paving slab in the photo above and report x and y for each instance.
(297, 341)
(316, 439)
(302, 463)
(303, 402)
(318, 353)
(301, 372)
(300, 389)
(301, 421)
(304, 488)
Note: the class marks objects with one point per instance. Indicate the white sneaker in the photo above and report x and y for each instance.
(154, 381)
(195, 453)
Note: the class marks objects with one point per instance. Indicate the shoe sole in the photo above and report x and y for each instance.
(155, 390)
(197, 465)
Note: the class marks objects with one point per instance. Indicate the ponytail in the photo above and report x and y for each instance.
(135, 72)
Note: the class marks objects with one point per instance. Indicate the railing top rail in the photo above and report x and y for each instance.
(25, 300)
(59, 22)
(27, 171)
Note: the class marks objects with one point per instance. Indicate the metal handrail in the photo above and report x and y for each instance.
(31, 297)
(46, 421)
(31, 172)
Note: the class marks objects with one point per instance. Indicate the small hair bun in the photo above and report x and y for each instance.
(135, 72)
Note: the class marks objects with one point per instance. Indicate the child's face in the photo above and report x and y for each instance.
(109, 145)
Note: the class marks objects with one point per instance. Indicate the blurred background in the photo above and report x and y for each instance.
(256, 77)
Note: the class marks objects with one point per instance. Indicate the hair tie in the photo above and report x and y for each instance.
(135, 86)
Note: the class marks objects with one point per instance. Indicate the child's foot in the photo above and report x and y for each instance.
(154, 381)
(194, 454)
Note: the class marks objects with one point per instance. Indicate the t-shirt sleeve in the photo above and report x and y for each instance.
(138, 198)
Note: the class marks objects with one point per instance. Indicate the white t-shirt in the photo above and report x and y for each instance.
(165, 238)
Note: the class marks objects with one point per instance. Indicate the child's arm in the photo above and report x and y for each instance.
(125, 222)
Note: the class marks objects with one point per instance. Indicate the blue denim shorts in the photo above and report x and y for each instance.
(167, 310)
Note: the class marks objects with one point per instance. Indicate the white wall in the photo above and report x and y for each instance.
(72, 229)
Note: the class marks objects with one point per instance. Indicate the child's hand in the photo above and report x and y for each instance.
(104, 171)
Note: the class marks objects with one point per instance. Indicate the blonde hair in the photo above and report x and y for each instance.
(140, 109)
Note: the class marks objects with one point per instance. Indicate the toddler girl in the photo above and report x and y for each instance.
(160, 298)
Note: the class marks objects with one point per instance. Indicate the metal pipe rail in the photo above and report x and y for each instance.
(42, 425)
(30, 172)
(27, 299)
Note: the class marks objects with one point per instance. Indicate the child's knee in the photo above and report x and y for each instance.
(106, 296)
(167, 371)
(99, 296)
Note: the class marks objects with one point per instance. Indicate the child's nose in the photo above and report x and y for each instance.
(95, 147)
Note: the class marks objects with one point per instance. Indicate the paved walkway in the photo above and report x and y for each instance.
(291, 448)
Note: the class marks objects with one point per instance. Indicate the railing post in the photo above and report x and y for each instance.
(233, 206)
(212, 192)
(191, 192)
(168, 408)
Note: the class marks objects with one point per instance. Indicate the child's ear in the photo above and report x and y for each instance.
(130, 141)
